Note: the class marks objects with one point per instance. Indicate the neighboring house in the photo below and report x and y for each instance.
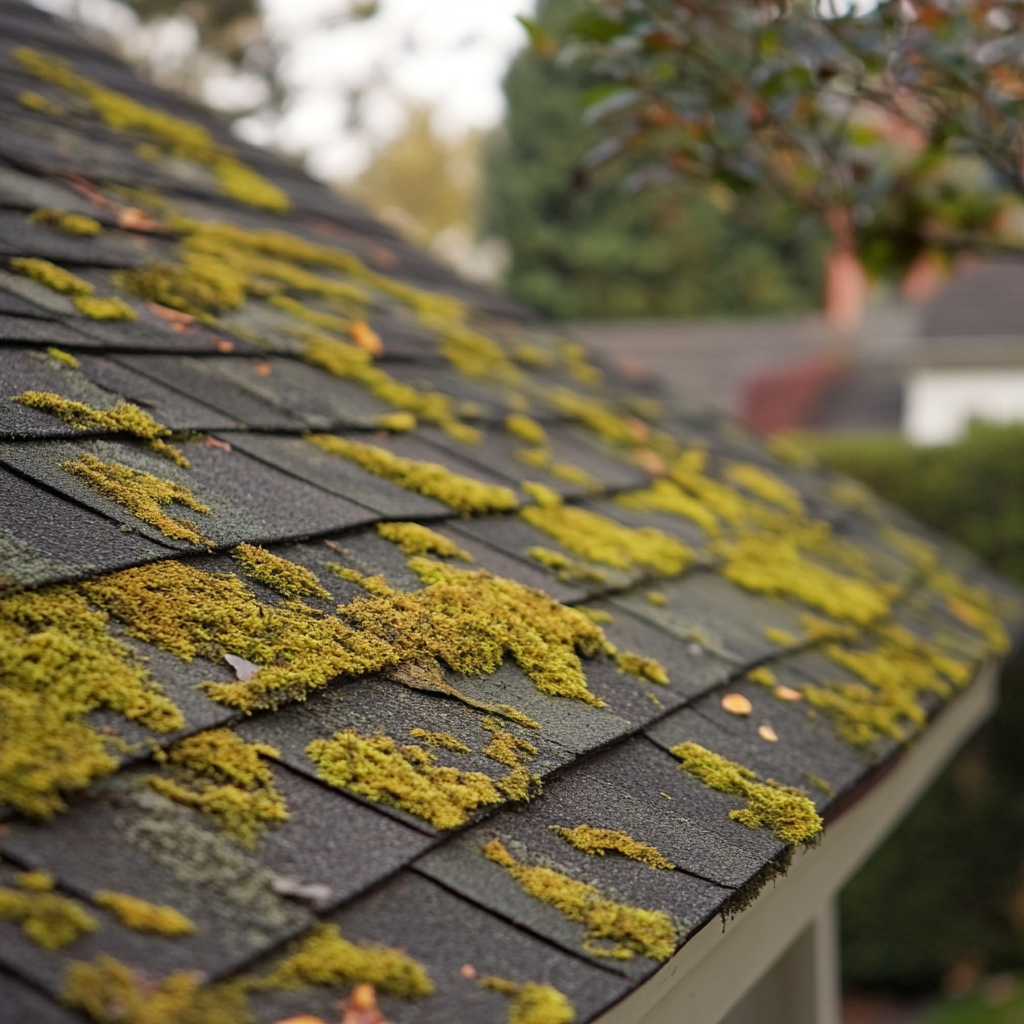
(970, 360)
(361, 641)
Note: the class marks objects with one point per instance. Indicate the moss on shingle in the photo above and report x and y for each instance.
(142, 916)
(599, 841)
(51, 276)
(72, 223)
(51, 921)
(414, 539)
(278, 573)
(532, 1002)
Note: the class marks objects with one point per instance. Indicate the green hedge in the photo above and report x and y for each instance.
(948, 886)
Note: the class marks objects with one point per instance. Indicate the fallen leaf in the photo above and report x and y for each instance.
(382, 257)
(766, 732)
(361, 1007)
(787, 693)
(86, 188)
(174, 316)
(131, 218)
(366, 338)
(468, 971)
(263, 369)
(244, 669)
(640, 430)
(213, 442)
(651, 461)
(737, 704)
(314, 892)
(222, 344)
(303, 1018)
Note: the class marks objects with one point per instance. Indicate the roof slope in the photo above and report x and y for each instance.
(357, 628)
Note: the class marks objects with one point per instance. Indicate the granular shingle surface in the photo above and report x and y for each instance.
(314, 642)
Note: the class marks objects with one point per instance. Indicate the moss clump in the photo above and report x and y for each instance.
(528, 430)
(376, 768)
(142, 916)
(184, 139)
(96, 308)
(143, 494)
(762, 675)
(598, 615)
(765, 485)
(325, 957)
(595, 415)
(462, 493)
(656, 597)
(598, 841)
(782, 637)
(470, 352)
(543, 458)
(123, 418)
(414, 539)
(632, 930)
(58, 662)
(505, 747)
(63, 357)
(49, 920)
(532, 1003)
(599, 539)
(72, 223)
(51, 276)
(440, 739)
(786, 811)
(218, 773)
(110, 992)
(396, 422)
(569, 570)
(642, 667)
(202, 288)
(668, 496)
(278, 573)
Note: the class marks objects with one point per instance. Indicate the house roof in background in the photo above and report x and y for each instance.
(349, 612)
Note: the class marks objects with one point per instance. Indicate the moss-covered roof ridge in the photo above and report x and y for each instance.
(358, 629)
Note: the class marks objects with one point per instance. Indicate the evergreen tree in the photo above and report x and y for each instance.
(602, 250)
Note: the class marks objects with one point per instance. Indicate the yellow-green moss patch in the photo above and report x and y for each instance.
(786, 811)
(72, 223)
(110, 992)
(49, 920)
(142, 493)
(782, 637)
(218, 773)
(599, 841)
(532, 1003)
(376, 768)
(445, 740)
(597, 538)
(185, 139)
(569, 570)
(432, 480)
(143, 916)
(51, 276)
(278, 573)
(642, 667)
(528, 430)
(505, 747)
(631, 930)
(668, 496)
(414, 539)
(96, 308)
(63, 357)
(325, 957)
(762, 675)
(123, 418)
(58, 662)
(764, 484)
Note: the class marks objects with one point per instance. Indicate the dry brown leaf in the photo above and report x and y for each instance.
(303, 1018)
(86, 188)
(468, 971)
(263, 369)
(361, 1007)
(787, 693)
(173, 316)
(766, 732)
(641, 431)
(651, 461)
(737, 704)
(131, 218)
(366, 338)
(213, 442)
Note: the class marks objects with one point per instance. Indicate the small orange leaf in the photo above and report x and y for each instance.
(263, 369)
(174, 316)
(787, 693)
(468, 971)
(361, 1007)
(303, 1018)
(222, 344)
(640, 430)
(650, 461)
(213, 442)
(766, 732)
(133, 219)
(366, 338)
(737, 704)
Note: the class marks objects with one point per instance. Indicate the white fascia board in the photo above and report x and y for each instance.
(715, 968)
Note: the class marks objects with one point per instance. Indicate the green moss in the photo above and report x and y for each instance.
(376, 768)
(184, 139)
(440, 739)
(396, 422)
(569, 570)
(218, 773)
(123, 418)
(143, 916)
(786, 811)
(51, 276)
(414, 539)
(142, 493)
(472, 353)
(819, 783)
(278, 573)
(462, 493)
(506, 748)
(599, 841)
(668, 496)
(762, 675)
(532, 1003)
(631, 930)
(765, 485)
(202, 288)
(528, 430)
(325, 957)
(597, 538)
(58, 662)
(110, 992)
(595, 415)
(318, 318)
(50, 921)
(96, 308)
(543, 458)
(642, 667)
(63, 357)
(72, 223)
(598, 615)
(656, 597)
(782, 637)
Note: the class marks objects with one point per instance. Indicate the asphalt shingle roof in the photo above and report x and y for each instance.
(227, 690)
